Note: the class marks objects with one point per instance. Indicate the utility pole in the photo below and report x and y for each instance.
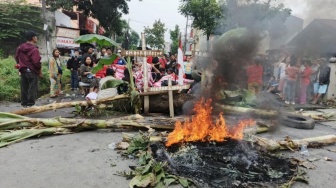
(185, 36)
(45, 26)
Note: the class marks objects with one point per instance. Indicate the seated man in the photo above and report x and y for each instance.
(110, 75)
(106, 88)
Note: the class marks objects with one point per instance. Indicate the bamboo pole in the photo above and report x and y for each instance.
(132, 121)
(55, 106)
(12, 137)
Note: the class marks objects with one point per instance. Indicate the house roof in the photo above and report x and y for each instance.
(318, 37)
(317, 28)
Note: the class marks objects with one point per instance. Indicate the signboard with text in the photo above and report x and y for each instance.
(67, 33)
(142, 53)
(62, 42)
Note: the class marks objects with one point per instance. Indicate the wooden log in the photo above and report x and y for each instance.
(55, 106)
(272, 145)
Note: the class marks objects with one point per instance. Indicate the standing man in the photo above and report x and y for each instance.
(74, 64)
(254, 76)
(29, 60)
(323, 80)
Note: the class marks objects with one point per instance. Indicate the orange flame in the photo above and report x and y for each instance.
(201, 127)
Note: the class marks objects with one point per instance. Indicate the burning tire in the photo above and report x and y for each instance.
(197, 75)
(297, 121)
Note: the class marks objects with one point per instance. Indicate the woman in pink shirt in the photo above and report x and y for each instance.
(290, 87)
(305, 81)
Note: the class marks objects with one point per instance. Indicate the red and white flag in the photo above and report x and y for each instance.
(180, 63)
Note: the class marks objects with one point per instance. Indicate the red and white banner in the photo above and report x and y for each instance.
(62, 42)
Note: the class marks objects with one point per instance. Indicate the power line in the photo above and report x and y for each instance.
(138, 21)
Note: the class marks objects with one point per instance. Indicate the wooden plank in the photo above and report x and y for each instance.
(145, 73)
(153, 93)
(170, 96)
(166, 88)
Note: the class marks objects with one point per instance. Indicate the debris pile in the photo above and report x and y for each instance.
(231, 163)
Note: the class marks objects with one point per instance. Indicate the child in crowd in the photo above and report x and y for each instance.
(272, 85)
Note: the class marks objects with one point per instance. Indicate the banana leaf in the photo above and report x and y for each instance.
(232, 34)
(94, 38)
(112, 83)
(104, 61)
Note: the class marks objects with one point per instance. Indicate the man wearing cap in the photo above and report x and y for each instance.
(29, 60)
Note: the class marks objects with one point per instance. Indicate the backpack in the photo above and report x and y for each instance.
(70, 62)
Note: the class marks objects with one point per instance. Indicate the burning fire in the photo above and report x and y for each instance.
(201, 127)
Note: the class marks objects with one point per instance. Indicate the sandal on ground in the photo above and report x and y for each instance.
(53, 96)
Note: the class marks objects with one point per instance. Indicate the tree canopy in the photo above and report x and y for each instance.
(155, 35)
(258, 15)
(130, 38)
(16, 18)
(206, 14)
(174, 36)
(107, 12)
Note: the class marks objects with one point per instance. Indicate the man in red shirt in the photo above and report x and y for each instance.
(29, 60)
(254, 76)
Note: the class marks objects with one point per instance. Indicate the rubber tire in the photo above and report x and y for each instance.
(296, 121)
(196, 75)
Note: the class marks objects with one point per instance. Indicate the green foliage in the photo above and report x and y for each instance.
(10, 81)
(205, 13)
(174, 36)
(148, 172)
(104, 61)
(134, 37)
(107, 12)
(155, 35)
(257, 15)
(16, 18)
(138, 143)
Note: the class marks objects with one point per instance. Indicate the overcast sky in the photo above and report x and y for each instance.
(144, 13)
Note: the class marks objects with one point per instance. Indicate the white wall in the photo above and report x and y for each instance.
(62, 19)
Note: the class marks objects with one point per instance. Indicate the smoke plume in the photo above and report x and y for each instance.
(312, 9)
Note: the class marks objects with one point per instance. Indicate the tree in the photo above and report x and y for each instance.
(133, 39)
(155, 36)
(174, 36)
(205, 14)
(107, 12)
(16, 18)
(257, 15)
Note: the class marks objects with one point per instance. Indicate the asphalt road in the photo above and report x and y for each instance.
(84, 160)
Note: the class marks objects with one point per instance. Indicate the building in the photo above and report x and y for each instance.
(63, 28)
(316, 40)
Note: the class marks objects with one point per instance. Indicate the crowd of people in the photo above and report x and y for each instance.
(296, 80)
(81, 65)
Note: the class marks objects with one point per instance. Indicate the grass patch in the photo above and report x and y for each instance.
(10, 80)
